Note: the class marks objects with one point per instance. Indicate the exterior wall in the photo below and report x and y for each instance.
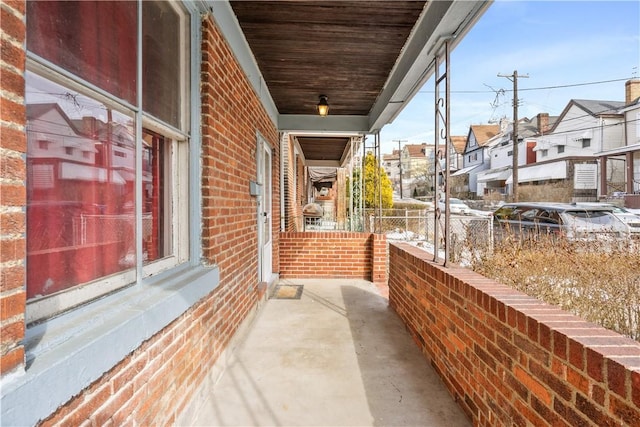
(13, 148)
(334, 255)
(153, 384)
(231, 116)
(509, 359)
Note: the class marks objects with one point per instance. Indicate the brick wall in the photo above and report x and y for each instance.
(13, 148)
(510, 359)
(231, 115)
(333, 255)
(152, 385)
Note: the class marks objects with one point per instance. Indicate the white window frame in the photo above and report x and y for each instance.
(178, 225)
(110, 328)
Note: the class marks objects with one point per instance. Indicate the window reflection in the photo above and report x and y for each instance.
(80, 210)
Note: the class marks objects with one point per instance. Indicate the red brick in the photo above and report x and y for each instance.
(630, 415)
(12, 250)
(13, 195)
(560, 345)
(616, 378)
(595, 365)
(12, 223)
(13, 56)
(576, 354)
(13, 139)
(12, 305)
(11, 360)
(11, 278)
(12, 25)
(533, 385)
(12, 168)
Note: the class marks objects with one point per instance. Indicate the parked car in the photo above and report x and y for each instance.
(456, 206)
(561, 219)
(629, 218)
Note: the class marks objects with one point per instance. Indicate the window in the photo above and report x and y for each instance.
(510, 153)
(560, 149)
(119, 212)
(544, 153)
(586, 142)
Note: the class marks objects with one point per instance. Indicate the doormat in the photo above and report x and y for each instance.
(287, 292)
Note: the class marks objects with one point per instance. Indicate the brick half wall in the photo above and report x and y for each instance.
(510, 359)
(335, 255)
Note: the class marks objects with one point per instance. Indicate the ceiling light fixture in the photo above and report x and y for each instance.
(323, 106)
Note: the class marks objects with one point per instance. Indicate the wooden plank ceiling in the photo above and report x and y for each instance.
(342, 49)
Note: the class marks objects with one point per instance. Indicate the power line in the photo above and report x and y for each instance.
(536, 88)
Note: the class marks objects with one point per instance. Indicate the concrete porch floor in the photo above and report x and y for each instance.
(337, 356)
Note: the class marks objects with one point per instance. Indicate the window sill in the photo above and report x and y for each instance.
(66, 354)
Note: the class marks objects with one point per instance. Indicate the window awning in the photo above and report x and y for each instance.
(544, 172)
(493, 175)
(620, 150)
(464, 171)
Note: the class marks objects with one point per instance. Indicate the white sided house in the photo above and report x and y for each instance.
(568, 152)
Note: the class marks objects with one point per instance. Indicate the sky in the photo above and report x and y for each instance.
(566, 48)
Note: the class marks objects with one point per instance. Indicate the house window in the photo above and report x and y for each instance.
(560, 149)
(68, 151)
(510, 153)
(543, 153)
(103, 222)
(586, 142)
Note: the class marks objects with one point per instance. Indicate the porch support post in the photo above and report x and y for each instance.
(604, 188)
(629, 172)
(442, 131)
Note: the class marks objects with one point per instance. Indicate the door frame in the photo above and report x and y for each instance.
(264, 174)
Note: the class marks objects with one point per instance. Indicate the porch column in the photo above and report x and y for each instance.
(629, 172)
(341, 202)
(604, 189)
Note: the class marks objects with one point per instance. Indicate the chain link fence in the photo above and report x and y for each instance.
(467, 232)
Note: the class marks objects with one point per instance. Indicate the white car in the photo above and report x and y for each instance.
(629, 218)
(456, 206)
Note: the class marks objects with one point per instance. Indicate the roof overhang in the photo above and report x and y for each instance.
(412, 62)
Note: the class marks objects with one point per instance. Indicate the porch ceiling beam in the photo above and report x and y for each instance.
(317, 124)
(323, 163)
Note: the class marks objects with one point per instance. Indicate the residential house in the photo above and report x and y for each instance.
(627, 155)
(416, 162)
(566, 155)
(475, 159)
(457, 155)
(498, 178)
(391, 165)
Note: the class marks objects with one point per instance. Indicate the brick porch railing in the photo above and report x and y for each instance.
(510, 359)
(333, 254)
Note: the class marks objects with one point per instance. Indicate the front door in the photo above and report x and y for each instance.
(264, 211)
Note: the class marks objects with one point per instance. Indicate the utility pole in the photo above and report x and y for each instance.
(399, 141)
(514, 174)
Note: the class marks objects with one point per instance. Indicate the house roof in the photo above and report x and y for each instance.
(484, 133)
(597, 108)
(34, 111)
(393, 156)
(416, 150)
(459, 143)
(593, 107)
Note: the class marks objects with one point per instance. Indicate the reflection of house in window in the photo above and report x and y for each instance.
(43, 145)
(68, 151)
(119, 154)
